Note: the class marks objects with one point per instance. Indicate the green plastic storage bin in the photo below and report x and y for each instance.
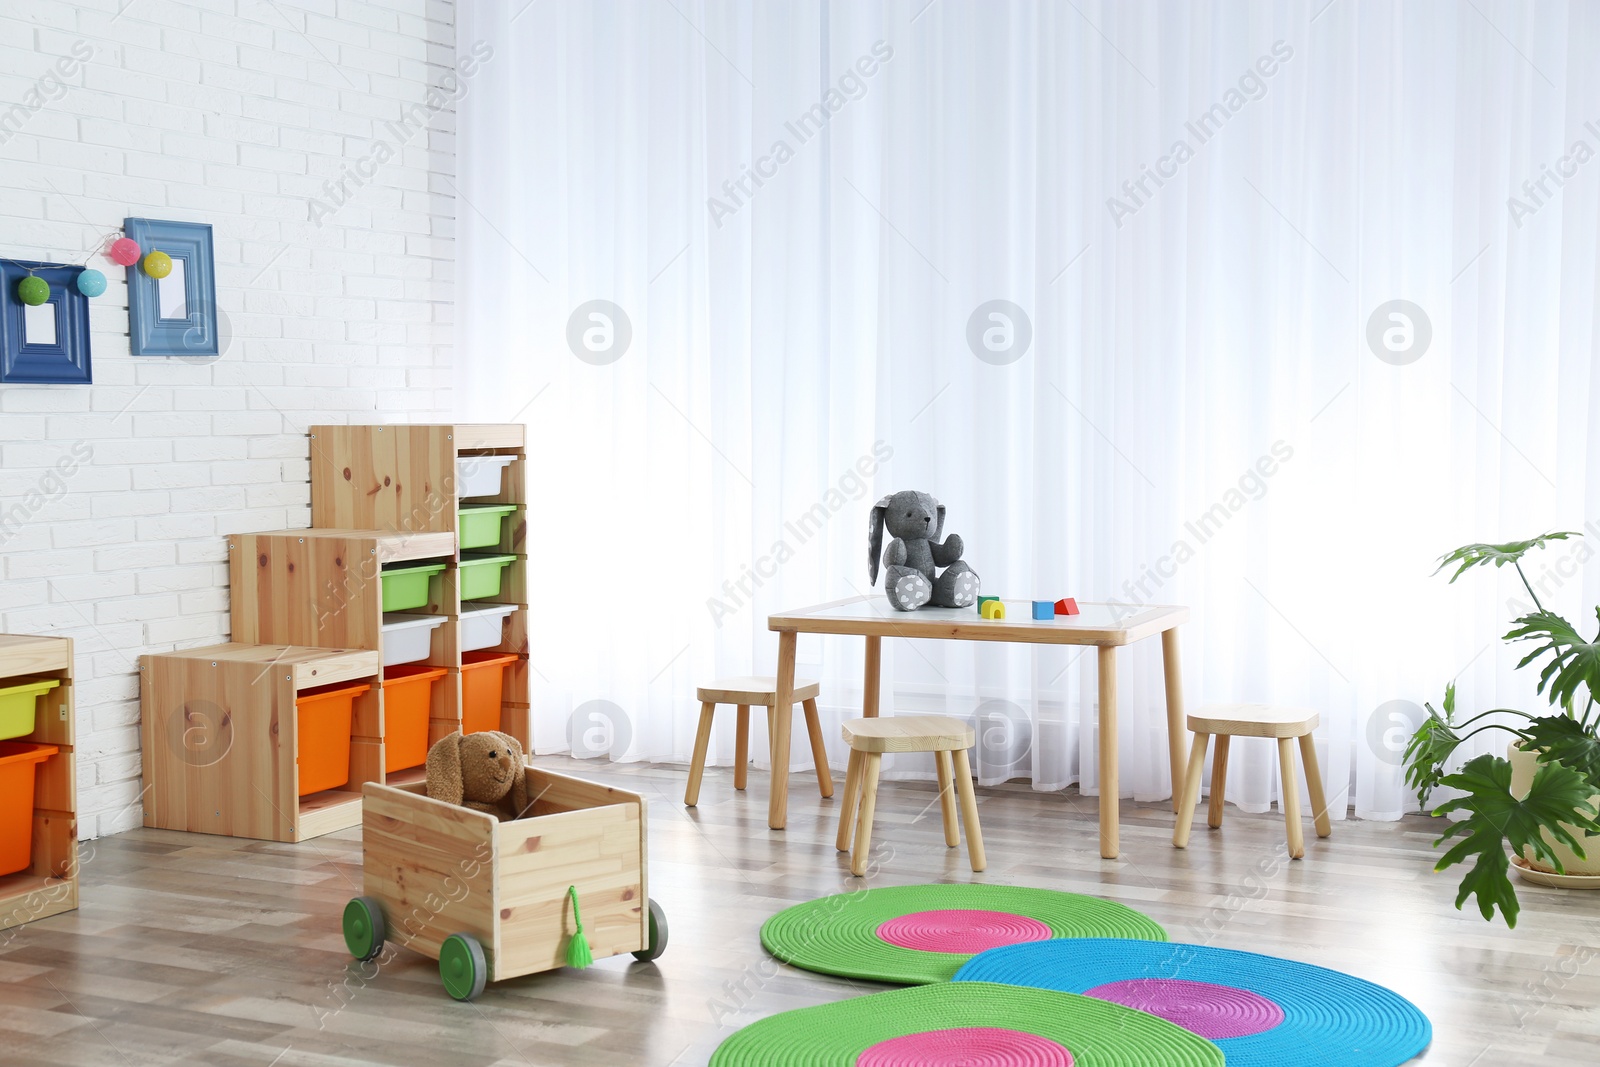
(478, 526)
(17, 703)
(480, 575)
(405, 588)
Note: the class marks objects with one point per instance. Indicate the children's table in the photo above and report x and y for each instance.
(1106, 626)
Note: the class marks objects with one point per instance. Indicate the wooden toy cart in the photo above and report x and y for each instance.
(488, 899)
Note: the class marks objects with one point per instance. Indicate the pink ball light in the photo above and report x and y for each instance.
(125, 250)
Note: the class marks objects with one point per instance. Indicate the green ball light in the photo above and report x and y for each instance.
(33, 290)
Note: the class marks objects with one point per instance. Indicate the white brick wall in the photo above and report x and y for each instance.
(235, 113)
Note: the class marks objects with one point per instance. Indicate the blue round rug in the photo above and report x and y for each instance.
(1260, 1010)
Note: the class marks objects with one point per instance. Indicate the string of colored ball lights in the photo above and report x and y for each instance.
(124, 251)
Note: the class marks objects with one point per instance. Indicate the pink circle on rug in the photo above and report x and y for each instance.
(967, 1046)
(962, 930)
(1212, 1011)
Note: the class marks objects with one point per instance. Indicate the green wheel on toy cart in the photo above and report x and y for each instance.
(658, 935)
(462, 966)
(363, 928)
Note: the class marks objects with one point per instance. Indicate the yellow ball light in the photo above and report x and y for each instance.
(158, 264)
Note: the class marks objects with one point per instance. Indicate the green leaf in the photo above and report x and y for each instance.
(1468, 556)
(1431, 747)
(1564, 740)
(1496, 819)
(1574, 659)
(1489, 879)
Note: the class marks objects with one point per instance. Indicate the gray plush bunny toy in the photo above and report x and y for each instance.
(916, 522)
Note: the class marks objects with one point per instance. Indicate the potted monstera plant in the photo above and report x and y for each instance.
(1544, 798)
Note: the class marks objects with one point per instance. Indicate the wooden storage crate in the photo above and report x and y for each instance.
(49, 886)
(401, 480)
(433, 870)
(219, 733)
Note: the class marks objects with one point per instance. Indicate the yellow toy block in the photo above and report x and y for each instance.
(994, 609)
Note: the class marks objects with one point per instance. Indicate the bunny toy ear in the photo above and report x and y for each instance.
(444, 770)
(938, 530)
(875, 538)
(518, 796)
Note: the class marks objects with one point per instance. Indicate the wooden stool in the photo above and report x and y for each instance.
(1254, 720)
(945, 737)
(743, 692)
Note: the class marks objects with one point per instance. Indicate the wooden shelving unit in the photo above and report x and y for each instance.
(50, 884)
(313, 600)
(402, 480)
(324, 588)
(220, 739)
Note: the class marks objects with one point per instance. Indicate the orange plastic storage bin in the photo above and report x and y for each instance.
(18, 762)
(324, 717)
(483, 679)
(407, 699)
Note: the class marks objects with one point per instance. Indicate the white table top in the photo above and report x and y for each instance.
(873, 616)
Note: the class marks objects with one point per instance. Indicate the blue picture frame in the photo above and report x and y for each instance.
(194, 331)
(65, 359)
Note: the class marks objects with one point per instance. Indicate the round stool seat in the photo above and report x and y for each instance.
(909, 733)
(756, 690)
(1253, 720)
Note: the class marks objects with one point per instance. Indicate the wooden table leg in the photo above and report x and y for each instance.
(1177, 726)
(741, 747)
(783, 723)
(1110, 780)
(869, 681)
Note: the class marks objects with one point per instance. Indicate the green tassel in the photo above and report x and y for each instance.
(578, 952)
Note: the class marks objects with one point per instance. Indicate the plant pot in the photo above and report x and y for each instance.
(1523, 766)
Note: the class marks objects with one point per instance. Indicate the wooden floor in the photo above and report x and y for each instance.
(191, 949)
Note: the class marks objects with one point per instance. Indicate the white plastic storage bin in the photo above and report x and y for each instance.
(408, 638)
(480, 475)
(481, 627)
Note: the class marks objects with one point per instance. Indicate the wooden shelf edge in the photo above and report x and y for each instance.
(23, 655)
(26, 898)
(325, 812)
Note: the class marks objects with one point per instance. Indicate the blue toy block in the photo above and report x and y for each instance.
(1044, 610)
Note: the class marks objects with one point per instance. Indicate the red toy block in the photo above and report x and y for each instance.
(1066, 606)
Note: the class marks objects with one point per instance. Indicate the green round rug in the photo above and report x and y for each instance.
(918, 934)
(966, 1023)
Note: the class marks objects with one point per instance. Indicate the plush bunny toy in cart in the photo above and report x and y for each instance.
(916, 522)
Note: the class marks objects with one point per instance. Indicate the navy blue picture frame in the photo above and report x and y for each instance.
(195, 334)
(64, 362)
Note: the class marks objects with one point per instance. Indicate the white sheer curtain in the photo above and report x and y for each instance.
(1199, 416)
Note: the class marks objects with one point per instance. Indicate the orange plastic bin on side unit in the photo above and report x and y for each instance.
(324, 717)
(18, 762)
(483, 683)
(407, 700)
